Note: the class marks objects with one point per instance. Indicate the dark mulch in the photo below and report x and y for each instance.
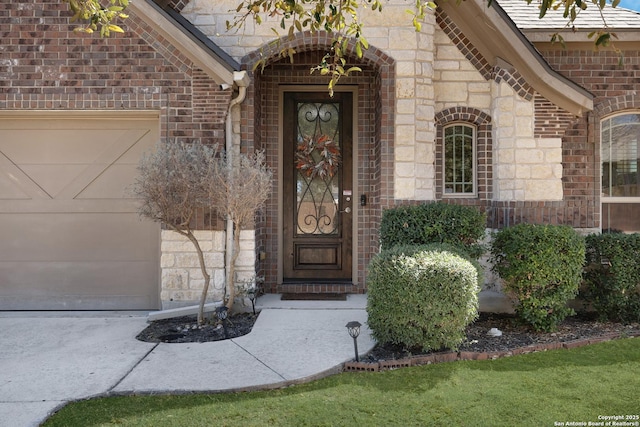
(514, 335)
(186, 329)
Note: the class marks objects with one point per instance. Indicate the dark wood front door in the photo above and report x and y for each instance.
(317, 193)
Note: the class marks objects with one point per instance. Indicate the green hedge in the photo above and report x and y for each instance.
(439, 222)
(541, 266)
(612, 276)
(422, 297)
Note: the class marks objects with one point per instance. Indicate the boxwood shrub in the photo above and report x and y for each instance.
(541, 266)
(438, 222)
(612, 276)
(422, 297)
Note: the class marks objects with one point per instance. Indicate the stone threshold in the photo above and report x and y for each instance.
(452, 356)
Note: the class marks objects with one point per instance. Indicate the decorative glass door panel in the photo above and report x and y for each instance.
(317, 187)
(317, 159)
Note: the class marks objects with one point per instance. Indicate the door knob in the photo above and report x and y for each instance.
(346, 210)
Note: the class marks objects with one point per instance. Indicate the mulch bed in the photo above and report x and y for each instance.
(516, 338)
(185, 329)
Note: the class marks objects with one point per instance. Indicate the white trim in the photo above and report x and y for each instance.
(604, 199)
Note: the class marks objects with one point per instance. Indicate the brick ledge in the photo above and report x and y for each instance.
(452, 356)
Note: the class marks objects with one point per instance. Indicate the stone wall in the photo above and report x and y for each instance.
(527, 168)
(182, 279)
(432, 74)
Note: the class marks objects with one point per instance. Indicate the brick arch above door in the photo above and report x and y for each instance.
(310, 42)
(374, 152)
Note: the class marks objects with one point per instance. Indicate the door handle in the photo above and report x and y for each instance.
(346, 210)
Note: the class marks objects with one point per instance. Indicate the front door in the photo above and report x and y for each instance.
(317, 187)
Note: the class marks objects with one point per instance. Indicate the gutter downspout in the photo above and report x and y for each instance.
(241, 79)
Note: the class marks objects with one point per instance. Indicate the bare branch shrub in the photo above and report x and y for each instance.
(177, 179)
(172, 184)
(239, 189)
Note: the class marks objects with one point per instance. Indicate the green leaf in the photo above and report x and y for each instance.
(115, 28)
(359, 50)
(603, 40)
(543, 8)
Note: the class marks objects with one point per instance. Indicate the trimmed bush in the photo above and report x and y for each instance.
(612, 276)
(437, 222)
(541, 266)
(421, 297)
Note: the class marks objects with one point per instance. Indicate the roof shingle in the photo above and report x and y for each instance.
(525, 17)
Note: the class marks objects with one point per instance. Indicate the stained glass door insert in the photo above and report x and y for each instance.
(317, 187)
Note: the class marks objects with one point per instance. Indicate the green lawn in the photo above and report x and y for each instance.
(539, 389)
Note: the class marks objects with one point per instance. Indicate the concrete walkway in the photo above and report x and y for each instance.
(48, 359)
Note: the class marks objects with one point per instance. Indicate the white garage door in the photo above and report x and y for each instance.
(71, 237)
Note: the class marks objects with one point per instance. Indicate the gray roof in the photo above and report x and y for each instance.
(525, 17)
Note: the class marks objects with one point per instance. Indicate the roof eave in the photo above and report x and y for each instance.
(188, 40)
(497, 38)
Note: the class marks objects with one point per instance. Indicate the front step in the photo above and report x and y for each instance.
(313, 297)
(315, 288)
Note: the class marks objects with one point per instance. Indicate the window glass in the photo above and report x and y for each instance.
(620, 135)
(620, 178)
(459, 159)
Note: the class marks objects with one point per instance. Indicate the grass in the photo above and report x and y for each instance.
(539, 389)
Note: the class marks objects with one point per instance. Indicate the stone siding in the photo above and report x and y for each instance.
(527, 168)
(182, 279)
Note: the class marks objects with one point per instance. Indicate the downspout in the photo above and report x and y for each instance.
(241, 79)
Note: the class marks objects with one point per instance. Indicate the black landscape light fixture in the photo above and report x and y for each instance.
(354, 330)
(221, 313)
(253, 294)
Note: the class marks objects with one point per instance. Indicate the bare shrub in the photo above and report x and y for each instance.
(172, 186)
(239, 188)
(178, 179)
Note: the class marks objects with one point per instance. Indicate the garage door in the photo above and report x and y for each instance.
(71, 237)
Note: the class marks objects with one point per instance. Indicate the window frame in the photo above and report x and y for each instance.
(474, 172)
(604, 197)
(607, 201)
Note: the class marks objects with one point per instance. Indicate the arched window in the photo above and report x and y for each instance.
(620, 136)
(464, 155)
(459, 160)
